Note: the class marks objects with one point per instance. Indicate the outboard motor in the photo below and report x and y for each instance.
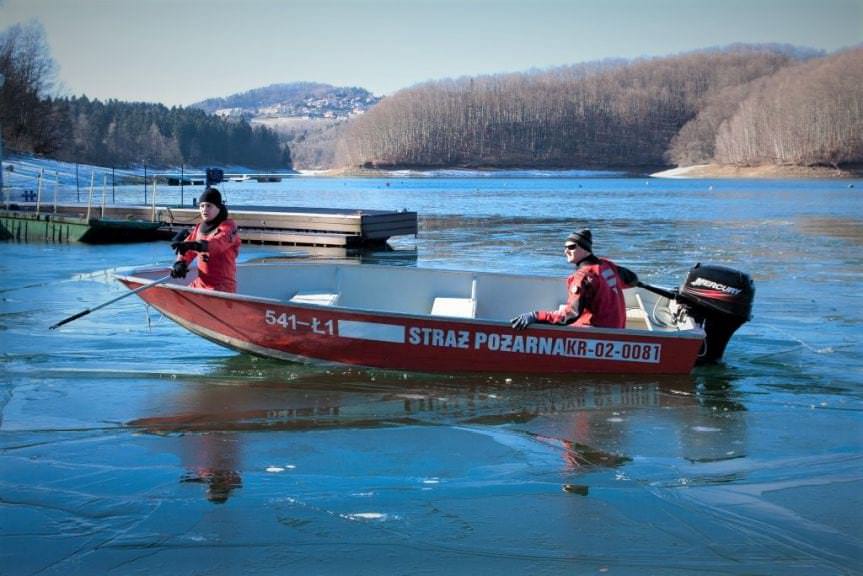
(720, 300)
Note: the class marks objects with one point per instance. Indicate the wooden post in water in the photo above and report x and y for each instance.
(39, 190)
(104, 193)
(90, 195)
(153, 217)
(56, 186)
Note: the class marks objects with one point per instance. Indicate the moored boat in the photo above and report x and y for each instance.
(429, 320)
(27, 226)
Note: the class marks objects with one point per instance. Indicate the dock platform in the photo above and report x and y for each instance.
(285, 226)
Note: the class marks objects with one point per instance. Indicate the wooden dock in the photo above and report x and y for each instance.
(257, 224)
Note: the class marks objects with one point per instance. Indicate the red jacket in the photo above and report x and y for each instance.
(595, 297)
(217, 267)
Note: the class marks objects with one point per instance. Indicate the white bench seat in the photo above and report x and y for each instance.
(316, 298)
(636, 318)
(454, 307)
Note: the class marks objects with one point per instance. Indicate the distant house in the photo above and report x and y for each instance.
(229, 112)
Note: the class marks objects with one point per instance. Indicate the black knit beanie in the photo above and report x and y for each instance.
(212, 196)
(583, 238)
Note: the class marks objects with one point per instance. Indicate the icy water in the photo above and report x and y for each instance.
(128, 446)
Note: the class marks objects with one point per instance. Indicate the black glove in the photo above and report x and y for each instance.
(179, 270)
(183, 247)
(522, 321)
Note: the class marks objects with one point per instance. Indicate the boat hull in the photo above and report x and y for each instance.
(27, 226)
(311, 333)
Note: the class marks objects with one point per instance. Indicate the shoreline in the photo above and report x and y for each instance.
(718, 171)
(696, 171)
(461, 172)
(762, 172)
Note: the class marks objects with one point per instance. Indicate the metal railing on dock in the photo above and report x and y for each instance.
(258, 224)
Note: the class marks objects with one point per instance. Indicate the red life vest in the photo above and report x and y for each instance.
(595, 298)
(217, 267)
(602, 299)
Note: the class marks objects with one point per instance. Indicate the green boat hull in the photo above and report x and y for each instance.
(30, 227)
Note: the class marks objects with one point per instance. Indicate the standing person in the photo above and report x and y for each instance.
(215, 242)
(595, 290)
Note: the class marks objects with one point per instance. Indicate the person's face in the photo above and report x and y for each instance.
(573, 253)
(208, 211)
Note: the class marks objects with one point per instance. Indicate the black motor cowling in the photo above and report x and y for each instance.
(720, 300)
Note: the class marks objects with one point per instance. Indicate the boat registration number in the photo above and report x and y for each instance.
(646, 352)
(611, 350)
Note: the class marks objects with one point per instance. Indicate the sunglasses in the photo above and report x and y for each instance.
(570, 246)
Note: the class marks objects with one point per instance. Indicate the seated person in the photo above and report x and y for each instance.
(595, 290)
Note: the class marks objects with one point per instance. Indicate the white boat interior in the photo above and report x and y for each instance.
(482, 296)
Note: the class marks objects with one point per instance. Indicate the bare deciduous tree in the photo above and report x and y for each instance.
(807, 114)
(27, 116)
(620, 114)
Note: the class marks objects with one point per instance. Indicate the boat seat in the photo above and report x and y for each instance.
(316, 298)
(455, 307)
(636, 318)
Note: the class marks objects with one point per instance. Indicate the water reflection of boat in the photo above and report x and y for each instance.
(213, 460)
(590, 425)
(428, 320)
(246, 408)
(248, 393)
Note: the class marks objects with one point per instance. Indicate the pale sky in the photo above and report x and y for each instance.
(181, 51)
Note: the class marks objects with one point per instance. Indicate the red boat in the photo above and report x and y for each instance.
(428, 320)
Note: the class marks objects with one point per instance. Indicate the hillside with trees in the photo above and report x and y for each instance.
(807, 114)
(126, 133)
(115, 133)
(309, 117)
(735, 105)
(297, 99)
(742, 105)
(312, 141)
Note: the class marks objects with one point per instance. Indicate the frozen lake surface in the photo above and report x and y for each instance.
(129, 446)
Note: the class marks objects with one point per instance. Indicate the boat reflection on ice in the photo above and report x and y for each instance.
(600, 423)
(212, 459)
(360, 398)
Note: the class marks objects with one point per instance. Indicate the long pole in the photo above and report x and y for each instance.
(39, 191)
(182, 178)
(2, 188)
(56, 187)
(145, 184)
(153, 217)
(77, 184)
(104, 192)
(111, 301)
(113, 188)
(90, 195)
